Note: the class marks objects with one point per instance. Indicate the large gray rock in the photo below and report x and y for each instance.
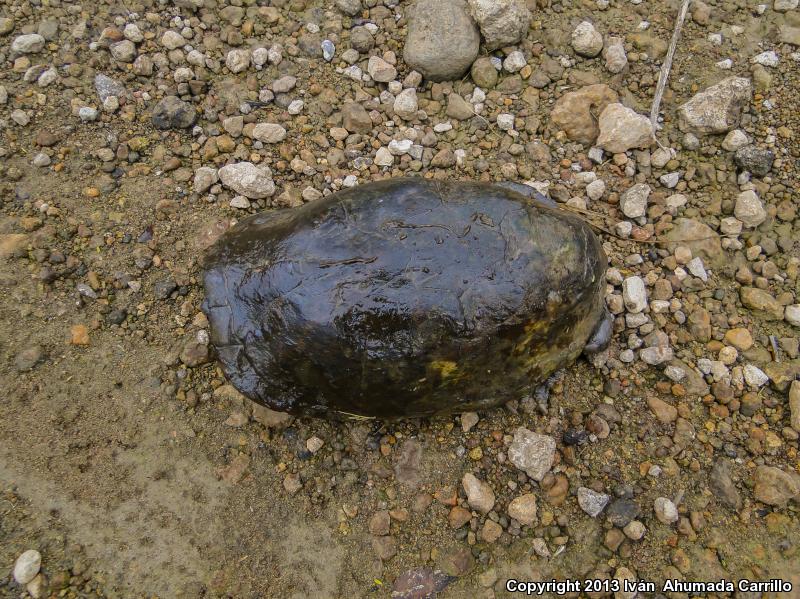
(442, 39)
(622, 129)
(30, 43)
(502, 22)
(717, 109)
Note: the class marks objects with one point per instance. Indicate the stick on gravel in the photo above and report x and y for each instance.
(665, 68)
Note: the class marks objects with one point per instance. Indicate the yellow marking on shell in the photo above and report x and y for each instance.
(447, 368)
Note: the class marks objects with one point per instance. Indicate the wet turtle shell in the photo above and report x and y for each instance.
(404, 297)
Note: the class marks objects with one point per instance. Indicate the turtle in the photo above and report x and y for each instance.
(404, 298)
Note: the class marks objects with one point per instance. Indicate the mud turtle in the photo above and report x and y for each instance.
(404, 297)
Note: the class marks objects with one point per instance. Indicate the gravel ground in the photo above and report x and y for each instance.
(128, 466)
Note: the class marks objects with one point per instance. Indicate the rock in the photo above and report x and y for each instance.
(792, 315)
(662, 410)
(380, 70)
(237, 60)
(532, 453)
(480, 495)
(269, 418)
(717, 109)
(586, 40)
(634, 530)
(442, 40)
(380, 523)
(349, 7)
(754, 376)
(576, 112)
(775, 487)
(666, 511)
(105, 87)
(698, 237)
(383, 157)
(491, 531)
(405, 104)
(656, 355)
(173, 113)
(749, 209)
(785, 5)
(247, 179)
(468, 420)
(755, 160)
(523, 509)
(172, 40)
(458, 108)
(28, 358)
(790, 35)
(6, 25)
(483, 73)
(27, 566)
(794, 405)
(361, 40)
(355, 118)
(269, 133)
(285, 84)
(420, 583)
(385, 547)
(596, 189)
(502, 22)
(124, 51)
(739, 338)
(758, 299)
(458, 517)
(634, 294)
(622, 129)
(514, 63)
(30, 43)
(633, 201)
(591, 501)
(614, 54)
(734, 140)
(622, 511)
(205, 177)
(721, 485)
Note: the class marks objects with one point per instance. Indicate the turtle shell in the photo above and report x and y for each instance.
(403, 297)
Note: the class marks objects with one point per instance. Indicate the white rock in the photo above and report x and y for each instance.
(27, 566)
(247, 179)
(634, 294)
(591, 501)
(670, 180)
(204, 177)
(48, 77)
(749, 209)
(384, 157)
(730, 226)
(514, 62)
(622, 129)
(314, 444)
(666, 511)
(124, 51)
(792, 314)
(754, 376)
(502, 22)
(614, 55)
(237, 60)
(696, 267)
(269, 133)
(133, 33)
(172, 40)
(656, 355)
(675, 373)
(633, 202)
(240, 202)
(523, 509)
(767, 59)
(400, 147)
(634, 530)
(480, 495)
(532, 453)
(586, 40)
(87, 114)
(716, 109)
(505, 121)
(380, 70)
(725, 64)
(30, 43)
(784, 5)
(735, 140)
(405, 104)
(295, 107)
(596, 189)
